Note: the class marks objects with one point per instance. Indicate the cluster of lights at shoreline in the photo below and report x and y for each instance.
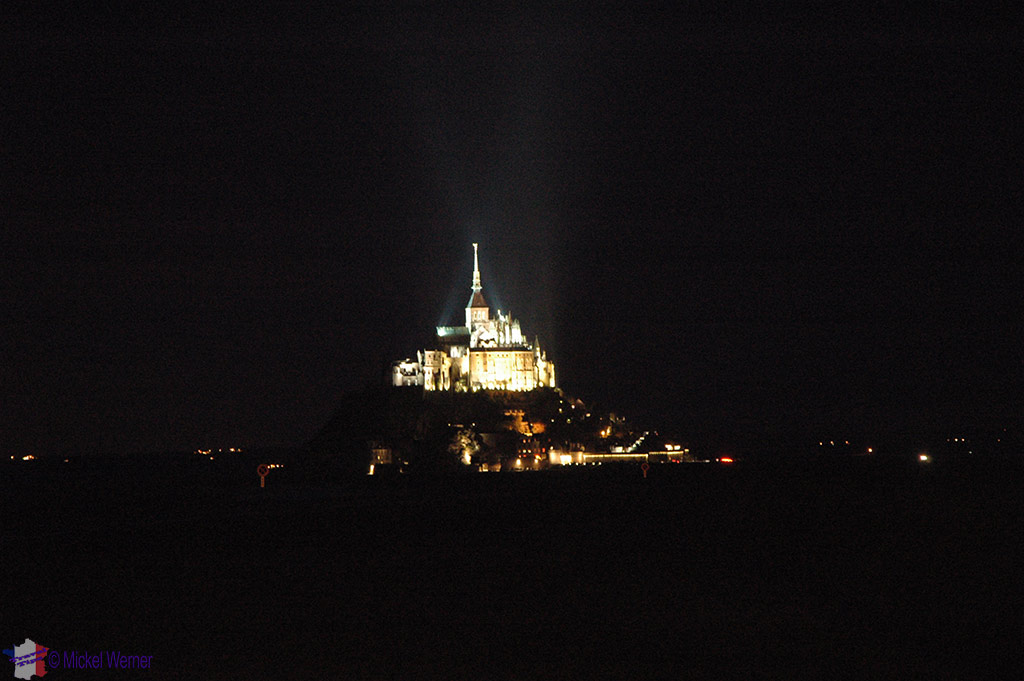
(963, 440)
(842, 443)
(210, 452)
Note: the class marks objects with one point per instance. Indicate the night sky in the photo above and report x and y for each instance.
(720, 223)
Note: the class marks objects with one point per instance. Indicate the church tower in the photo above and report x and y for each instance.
(477, 310)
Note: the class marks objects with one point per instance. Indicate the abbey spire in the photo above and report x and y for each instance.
(478, 310)
(476, 270)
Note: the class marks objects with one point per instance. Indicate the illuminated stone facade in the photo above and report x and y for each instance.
(488, 353)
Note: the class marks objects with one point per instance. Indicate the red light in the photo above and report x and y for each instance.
(725, 459)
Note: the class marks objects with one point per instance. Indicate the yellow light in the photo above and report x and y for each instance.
(924, 458)
(371, 469)
(28, 457)
(870, 450)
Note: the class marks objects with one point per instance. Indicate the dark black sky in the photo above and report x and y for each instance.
(216, 224)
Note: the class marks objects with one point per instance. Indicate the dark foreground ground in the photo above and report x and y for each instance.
(850, 571)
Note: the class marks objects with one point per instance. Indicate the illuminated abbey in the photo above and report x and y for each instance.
(488, 353)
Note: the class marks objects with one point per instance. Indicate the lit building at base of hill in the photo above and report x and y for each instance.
(488, 353)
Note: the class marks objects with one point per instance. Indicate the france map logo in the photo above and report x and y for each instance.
(29, 659)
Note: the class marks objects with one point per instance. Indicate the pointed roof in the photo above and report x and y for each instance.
(477, 300)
